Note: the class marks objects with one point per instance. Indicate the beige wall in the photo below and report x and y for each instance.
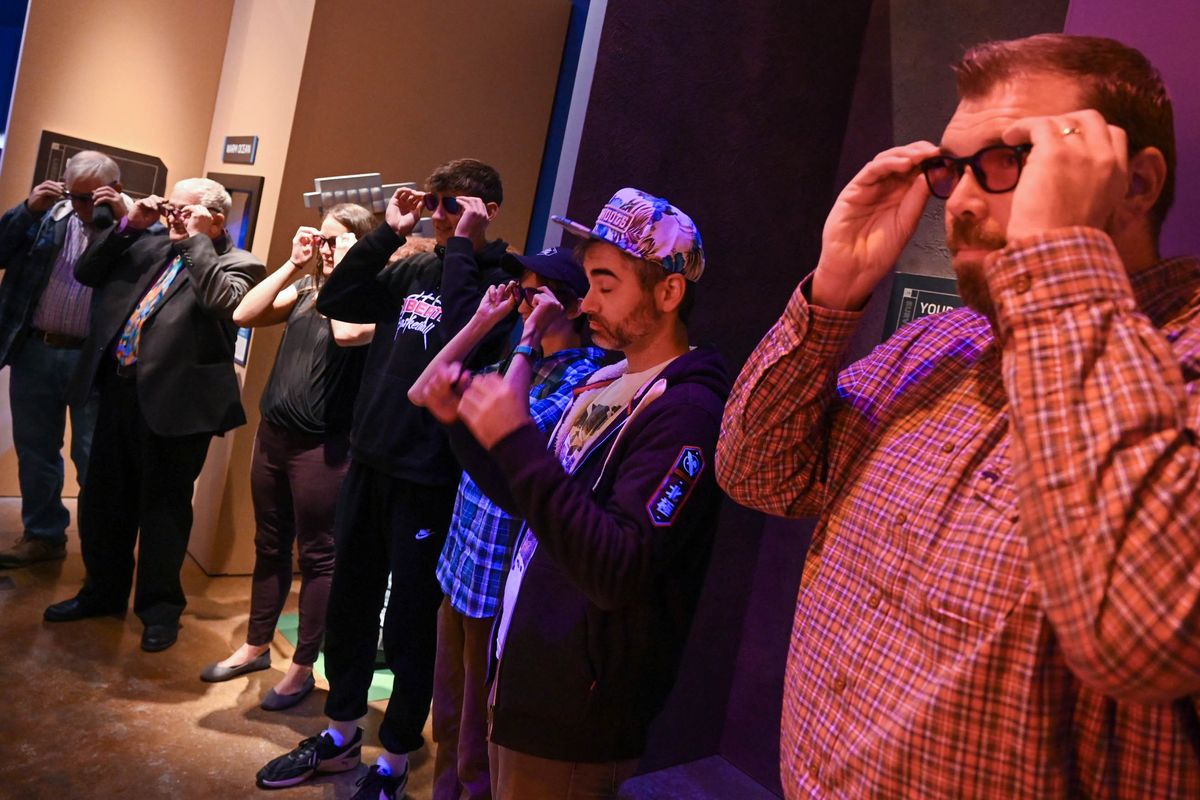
(380, 92)
(400, 88)
(330, 88)
(116, 73)
(102, 71)
(260, 81)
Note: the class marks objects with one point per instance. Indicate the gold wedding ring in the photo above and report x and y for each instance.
(1070, 131)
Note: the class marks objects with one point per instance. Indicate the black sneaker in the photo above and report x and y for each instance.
(377, 786)
(315, 754)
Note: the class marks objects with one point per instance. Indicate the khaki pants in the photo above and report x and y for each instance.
(460, 718)
(517, 776)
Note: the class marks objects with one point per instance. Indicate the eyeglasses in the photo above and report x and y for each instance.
(84, 197)
(448, 201)
(181, 213)
(335, 241)
(526, 293)
(996, 168)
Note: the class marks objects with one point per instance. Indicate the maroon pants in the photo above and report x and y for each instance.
(294, 481)
(460, 706)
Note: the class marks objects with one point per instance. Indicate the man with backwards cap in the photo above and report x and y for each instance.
(620, 510)
(551, 362)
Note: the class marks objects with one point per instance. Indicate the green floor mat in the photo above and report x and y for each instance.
(381, 683)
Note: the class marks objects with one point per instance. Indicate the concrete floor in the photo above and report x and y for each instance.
(85, 713)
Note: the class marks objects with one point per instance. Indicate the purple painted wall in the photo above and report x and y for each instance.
(735, 112)
(1167, 32)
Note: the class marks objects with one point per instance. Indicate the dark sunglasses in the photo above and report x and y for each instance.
(448, 202)
(83, 197)
(996, 168)
(325, 241)
(173, 212)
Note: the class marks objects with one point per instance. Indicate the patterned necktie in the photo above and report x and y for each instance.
(127, 345)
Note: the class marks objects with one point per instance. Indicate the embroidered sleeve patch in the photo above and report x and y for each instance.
(673, 491)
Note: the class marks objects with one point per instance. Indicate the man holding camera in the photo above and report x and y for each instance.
(44, 316)
(160, 350)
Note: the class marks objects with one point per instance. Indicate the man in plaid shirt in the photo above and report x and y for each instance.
(479, 542)
(1002, 598)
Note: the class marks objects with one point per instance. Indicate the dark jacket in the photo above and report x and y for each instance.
(607, 599)
(417, 305)
(29, 245)
(185, 378)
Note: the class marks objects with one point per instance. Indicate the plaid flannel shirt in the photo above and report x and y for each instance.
(1002, 598)
(479, 543)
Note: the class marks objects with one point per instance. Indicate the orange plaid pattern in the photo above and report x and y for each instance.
(1002, 598)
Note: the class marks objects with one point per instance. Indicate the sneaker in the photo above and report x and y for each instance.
(31, 549)
(314, 754)
(376, 785)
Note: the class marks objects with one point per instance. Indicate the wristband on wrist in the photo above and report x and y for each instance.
(534, 353)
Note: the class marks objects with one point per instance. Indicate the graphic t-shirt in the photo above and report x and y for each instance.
(585, 423)
(591, 419)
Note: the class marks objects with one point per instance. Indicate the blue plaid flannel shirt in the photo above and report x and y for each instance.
(479, 543)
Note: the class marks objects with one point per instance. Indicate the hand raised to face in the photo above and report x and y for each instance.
(546, 311)
(44, 195)
(498, 302)
(197, 220)
(146, 211)
(870, 223)
(304, 244)
(109, 196)
(1076, 172)
(404, 211)
(474, 219)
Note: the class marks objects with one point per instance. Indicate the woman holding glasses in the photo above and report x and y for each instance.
(301, 451)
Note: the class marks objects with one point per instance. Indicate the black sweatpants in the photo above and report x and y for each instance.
(384, 525)
(139, 491)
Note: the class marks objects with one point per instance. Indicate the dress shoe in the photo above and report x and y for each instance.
(80, 607)
(215, 673)
(274, 701)
(159, 636)
(30, 550)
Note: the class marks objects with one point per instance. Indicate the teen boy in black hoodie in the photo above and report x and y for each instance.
(621, 511)
(396, 500)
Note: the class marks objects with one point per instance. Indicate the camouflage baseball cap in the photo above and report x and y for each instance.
(647, 227)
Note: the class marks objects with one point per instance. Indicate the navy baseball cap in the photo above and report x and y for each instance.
(557, 263)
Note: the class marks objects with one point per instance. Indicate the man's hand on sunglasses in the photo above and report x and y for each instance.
(44, 195)
(146, 212)
(197, 220)
(1076, 172)
(474, 220)
(404, 211)
(871, 221)
(109, 196)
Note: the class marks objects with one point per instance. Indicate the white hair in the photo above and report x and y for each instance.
(212, 194)
(91, 164)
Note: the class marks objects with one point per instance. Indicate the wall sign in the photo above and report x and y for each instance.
(916, 296)
(239, 149)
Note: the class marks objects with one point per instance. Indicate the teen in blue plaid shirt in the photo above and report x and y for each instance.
(479, 543)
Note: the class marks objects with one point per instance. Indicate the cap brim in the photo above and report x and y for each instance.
(582, 231)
